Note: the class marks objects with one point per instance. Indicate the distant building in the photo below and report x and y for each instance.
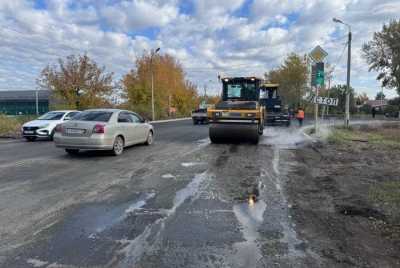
(19, 102)
(377, 103)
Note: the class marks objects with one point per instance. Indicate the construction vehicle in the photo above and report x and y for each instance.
(239, 115)
(270, 99)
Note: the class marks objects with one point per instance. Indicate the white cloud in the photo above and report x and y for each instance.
(139, 14)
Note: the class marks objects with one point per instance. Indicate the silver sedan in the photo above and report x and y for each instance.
(103, 129)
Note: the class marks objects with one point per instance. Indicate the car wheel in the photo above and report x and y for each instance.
(72, 151)
(118, 146)
(194, 122)
(51, 137)
(150, 138)
(30, 138)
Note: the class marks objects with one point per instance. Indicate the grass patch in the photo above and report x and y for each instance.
(387, 192)
(377, 136)
(11, 126)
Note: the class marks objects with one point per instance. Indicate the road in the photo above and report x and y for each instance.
(181, 202)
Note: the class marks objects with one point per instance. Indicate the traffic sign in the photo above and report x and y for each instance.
(324, 100)
(317, 74)
(318, 54)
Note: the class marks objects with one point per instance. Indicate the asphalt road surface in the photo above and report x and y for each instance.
(181, 202)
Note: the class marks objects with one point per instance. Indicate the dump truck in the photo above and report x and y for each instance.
(239, 115)
(270, 99)
(199, 116)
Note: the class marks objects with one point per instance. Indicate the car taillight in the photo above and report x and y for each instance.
(99, 128)
(59, 128)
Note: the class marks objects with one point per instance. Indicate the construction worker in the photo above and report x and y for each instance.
(300, 116)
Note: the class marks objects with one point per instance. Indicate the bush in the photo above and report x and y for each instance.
(391, 111)
(9, 126)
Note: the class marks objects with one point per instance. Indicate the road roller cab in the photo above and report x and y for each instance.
(239, 115)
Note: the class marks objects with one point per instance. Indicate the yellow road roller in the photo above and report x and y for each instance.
(239, 116)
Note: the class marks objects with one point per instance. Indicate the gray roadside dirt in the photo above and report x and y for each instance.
(331, 187)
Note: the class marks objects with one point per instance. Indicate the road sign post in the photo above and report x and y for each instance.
(317, 77)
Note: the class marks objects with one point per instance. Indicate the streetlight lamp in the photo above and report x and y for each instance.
(347, 116)
(78, 93)
(152, 82)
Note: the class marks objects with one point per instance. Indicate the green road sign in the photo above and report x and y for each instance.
(320, 78)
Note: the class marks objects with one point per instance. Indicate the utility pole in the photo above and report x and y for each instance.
(347, 122)
(37, 101)
(347, 110)
(152, 83)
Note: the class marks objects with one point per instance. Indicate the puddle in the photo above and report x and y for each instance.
(168, 176)
(191, 164)
(36, 262)
(134, 249)
(203, 142)
(89, 236)
(250, 217)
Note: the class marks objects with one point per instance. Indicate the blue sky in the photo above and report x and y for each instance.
(230, 37)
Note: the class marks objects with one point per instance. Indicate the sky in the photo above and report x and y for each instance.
(208, 37)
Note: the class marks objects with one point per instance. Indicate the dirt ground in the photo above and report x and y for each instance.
(345, 195)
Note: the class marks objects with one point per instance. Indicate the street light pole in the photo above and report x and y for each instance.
(152, 83)
(347, 120)
(37, 101)
(347, 107)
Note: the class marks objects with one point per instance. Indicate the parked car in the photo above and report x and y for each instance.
(199, 116)
(44, 126)
(103, 129)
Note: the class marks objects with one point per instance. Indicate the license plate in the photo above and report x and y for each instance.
(225, 114)
(29, 132)
(75, 131)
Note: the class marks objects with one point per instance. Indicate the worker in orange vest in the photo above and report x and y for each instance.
(300, 116)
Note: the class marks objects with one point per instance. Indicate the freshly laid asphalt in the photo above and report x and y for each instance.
(181, 202)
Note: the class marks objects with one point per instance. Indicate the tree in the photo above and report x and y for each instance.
(292, 78)
(383, 55)
(361, 98)
(380, 96)
(339, 92)
(171, 89)
(77, 82)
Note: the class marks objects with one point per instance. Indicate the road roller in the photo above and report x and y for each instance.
(239, 116)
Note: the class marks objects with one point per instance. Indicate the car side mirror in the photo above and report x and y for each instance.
(67, 118)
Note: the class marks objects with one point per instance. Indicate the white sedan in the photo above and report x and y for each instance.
(103, 129)
(44, 126)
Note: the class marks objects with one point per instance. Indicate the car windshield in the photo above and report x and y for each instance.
(52, 116)
(98, 116)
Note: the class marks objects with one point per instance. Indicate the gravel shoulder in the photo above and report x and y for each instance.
(346, 197)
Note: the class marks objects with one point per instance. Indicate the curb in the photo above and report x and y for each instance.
(170, 120)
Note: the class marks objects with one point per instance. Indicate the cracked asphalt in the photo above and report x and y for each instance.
(181, 202)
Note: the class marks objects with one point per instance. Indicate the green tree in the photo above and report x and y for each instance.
(361, 98)
(380, 96)
(77, 82)
(292, 78)
(339, 92)
(383, 55)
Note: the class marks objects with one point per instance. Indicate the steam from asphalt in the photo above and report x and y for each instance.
(284, 138)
